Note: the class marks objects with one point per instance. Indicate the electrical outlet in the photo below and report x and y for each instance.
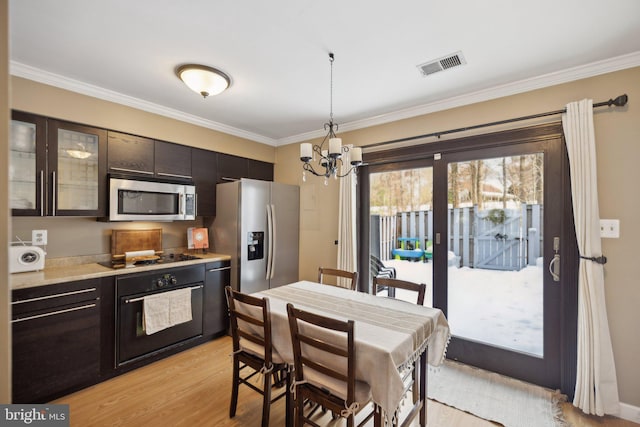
(610, 228)
(39, 237)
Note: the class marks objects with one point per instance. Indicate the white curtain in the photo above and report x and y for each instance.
(596, 389)
(347, 244)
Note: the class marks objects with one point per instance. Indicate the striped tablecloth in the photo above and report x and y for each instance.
(390, 334)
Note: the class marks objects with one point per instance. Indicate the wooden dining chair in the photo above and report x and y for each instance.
(325, 367)
(420, 288)
(409, 375)
(253, 351)
(350, 277)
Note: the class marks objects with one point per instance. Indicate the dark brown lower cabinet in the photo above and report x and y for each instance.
(215, 316)
(64, 334)
(56, 340)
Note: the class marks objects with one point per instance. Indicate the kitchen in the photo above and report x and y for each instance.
(159, 188)
(78, 237)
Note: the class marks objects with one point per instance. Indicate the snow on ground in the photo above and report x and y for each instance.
(501, 308)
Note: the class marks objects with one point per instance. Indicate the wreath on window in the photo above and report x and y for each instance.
(497, 216)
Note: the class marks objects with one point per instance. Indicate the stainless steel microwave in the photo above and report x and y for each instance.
(139, 200)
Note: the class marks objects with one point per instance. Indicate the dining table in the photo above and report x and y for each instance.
(391, 337)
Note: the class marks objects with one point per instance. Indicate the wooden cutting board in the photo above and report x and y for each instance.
(135, 240)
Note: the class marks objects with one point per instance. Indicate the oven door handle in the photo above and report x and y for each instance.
(127, 301)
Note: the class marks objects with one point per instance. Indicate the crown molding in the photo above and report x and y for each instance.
(571, 74)
(551, 79)
(28, 72)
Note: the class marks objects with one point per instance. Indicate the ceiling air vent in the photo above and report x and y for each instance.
(441, 64)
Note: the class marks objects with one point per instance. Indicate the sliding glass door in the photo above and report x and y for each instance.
(502, 219)
(495, 224)
(401, 224)
(484, 225)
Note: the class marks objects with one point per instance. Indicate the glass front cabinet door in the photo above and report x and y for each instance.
(76, 169)
(27, 164)
(56, 168)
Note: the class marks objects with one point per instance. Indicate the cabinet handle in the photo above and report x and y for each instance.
(130, 170)
(54, 313)
(41, 192)
(174, 175)
(218, 269)
(64, 294)
(224, 178)
(53, 207)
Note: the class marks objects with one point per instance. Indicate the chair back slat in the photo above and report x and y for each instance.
(336, 359)
(350, 277)
(420, 288)
(250, 319)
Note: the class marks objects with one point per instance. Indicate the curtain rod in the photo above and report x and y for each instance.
(618, 102)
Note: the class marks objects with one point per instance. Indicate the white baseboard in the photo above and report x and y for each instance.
(629, 412)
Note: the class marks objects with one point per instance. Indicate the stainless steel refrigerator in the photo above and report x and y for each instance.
(257, 223)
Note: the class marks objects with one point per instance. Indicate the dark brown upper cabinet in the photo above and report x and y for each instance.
(172, 161)
(136, 155)
(260, 170)
(232, 168)
(77, 169)
(204, 165)
(56, 167)
(28, 164)
(129, 154)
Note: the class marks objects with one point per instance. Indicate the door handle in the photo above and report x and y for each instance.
(274, 236)
(41, 192)
(554, 267)
(55, 189)
(270, 245)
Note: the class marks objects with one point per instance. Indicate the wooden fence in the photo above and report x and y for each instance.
(496, 239)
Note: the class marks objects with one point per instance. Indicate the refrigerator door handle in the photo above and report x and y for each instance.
(270, 239)
(274, 243)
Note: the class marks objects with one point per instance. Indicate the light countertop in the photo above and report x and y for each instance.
(70, 273)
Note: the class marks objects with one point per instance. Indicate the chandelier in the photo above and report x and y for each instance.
(328, 159)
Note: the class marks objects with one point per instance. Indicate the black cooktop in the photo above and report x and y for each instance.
(164, 259)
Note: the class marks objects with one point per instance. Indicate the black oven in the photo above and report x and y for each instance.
(132, 341)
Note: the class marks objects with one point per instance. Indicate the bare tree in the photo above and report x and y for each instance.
(454, 188)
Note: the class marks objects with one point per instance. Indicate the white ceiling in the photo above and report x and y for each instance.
(276, 53)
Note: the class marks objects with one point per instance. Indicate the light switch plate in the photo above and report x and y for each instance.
(610, 228)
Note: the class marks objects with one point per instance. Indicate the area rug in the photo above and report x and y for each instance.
(494, 397)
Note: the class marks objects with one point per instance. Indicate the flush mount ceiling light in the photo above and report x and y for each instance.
(328, 157)
(203, 80)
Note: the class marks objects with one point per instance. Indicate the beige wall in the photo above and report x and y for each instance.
(69, 236)
(5, 219)
(318, 213)
(618, 150)
(33, 97)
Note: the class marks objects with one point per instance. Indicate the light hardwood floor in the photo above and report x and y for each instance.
(193, 389)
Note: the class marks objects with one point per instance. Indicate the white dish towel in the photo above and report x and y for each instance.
(166, 309)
